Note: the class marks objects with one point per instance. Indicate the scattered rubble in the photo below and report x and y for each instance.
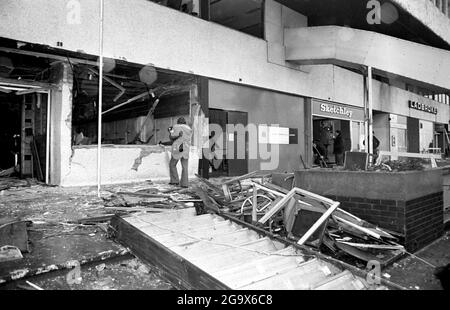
(302, 217)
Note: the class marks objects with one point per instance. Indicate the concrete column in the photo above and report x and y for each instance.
(308, 159)
(370, 106)
(61, 123)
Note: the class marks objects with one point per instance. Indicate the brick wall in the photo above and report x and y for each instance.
(419, 221)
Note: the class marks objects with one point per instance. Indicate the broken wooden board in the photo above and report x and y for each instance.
(209, 251)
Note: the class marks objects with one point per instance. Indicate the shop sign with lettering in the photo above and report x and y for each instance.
(422, 107)
(333, 110)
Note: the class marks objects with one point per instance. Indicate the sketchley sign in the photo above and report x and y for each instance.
(334, 110)
(422, 107)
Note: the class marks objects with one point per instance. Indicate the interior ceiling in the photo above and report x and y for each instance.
(16, 66)
(353, 13)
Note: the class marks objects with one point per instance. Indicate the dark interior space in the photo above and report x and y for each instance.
(243, 15)
(10, 128)
(129, 92)
(324, 134)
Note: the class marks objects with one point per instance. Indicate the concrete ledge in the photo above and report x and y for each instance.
(371, 185)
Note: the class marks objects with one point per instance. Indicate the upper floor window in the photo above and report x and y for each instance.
(242, 15)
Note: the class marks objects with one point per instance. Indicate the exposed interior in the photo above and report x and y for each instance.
(139, 103)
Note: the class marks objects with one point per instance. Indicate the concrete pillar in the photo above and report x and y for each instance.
(308, 159)
(61, 123)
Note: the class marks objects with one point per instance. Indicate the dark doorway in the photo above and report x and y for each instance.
(10, 128)
(230, 149)
(324, 132)
(413, 132)
(23, 134)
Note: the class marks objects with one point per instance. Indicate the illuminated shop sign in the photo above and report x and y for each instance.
(422, 107)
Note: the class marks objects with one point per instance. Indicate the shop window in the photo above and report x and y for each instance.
(243, 15)
(139, 104)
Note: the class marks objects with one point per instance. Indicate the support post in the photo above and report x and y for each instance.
(100, 102)
(47, 139)
(255, 205)
(370, 108)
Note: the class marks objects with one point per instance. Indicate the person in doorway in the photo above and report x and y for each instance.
(339, 148)
(180, 136)
(325, 139)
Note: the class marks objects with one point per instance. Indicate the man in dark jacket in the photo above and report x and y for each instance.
(339, 148)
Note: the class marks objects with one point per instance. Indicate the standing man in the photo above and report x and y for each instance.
(339, 148)
(180, 135)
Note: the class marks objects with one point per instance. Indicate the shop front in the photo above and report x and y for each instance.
(412, 126)
(328, 120)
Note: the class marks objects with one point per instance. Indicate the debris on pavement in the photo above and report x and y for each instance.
(303, 217)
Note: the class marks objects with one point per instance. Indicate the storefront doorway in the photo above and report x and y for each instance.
(228, 146)
(23, 132)
(330, 119)
(325, 132)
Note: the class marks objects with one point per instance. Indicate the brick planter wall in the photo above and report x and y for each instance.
(408, 203)
(419, 221)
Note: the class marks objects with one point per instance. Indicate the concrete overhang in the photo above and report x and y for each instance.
(389, 56)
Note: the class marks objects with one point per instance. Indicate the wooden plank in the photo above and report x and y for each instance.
(240, 178)
(360, 228)
(144, 195)
(277, 208)
(319, 223)
(179, 271)
(37, 160)
(373, 246)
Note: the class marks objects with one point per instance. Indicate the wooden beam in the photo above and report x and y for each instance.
(23, 83)
(317, 224)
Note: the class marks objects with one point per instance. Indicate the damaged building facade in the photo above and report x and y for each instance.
(291, 72)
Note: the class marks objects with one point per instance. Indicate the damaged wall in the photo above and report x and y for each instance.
(123, 164)
(61, 123)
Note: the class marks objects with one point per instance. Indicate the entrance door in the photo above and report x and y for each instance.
(231, 148)
(238, 142)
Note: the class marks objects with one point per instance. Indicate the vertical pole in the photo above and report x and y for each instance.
(370, 103)
(366, 115)
(100, 102)
(47, 143)
(255, 205)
